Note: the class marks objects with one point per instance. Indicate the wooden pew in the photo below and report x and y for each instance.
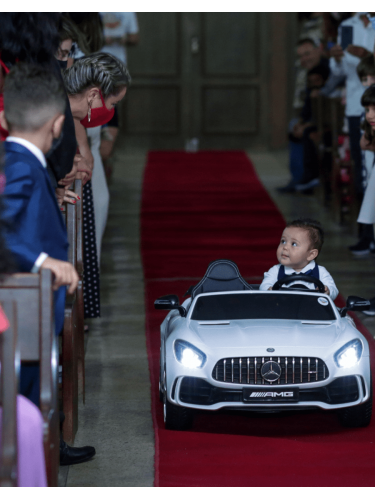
(73, 335)
(344, 197)
(37, 342)
(70, 341)
(9, 373)
(321, 111)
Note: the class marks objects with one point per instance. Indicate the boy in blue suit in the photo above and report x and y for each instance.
(34, 106)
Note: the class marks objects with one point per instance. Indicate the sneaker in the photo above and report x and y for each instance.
(363, 247)
(307, 185)
(371, 311)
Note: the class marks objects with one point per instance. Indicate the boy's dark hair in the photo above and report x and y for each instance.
(366, 67)
(306, 40)
(29, 37)
(321, 69)
(368, 99)
(32, 96)
(314, 228)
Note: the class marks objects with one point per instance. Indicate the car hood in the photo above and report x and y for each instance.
(276, 333)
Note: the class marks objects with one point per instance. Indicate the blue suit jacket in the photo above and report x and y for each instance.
(34, 219)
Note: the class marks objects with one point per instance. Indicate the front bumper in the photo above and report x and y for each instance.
(196, 392)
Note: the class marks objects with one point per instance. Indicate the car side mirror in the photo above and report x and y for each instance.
(169, 302)
(355, 303)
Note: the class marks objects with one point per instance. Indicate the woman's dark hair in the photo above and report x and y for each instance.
(90, 27)
(368, 99)
(29, 37)
(67, 29)
(6, 260)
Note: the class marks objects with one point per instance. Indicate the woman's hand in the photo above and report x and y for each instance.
(337, 52)
(84, 170)
(71, 197)
(60, 193)
(357, 51)
(70, 178)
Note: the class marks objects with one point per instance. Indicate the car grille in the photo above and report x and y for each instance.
(294, 370)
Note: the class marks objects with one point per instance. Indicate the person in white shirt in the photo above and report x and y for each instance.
(120, 30)
(300, 244)
(344, 63)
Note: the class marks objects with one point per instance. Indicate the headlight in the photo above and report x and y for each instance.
(349, 354)
(189, 355)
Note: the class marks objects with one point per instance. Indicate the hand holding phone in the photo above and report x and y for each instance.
(346, 36)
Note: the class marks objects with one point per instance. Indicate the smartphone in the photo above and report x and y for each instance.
(330, 45)
(346, 36)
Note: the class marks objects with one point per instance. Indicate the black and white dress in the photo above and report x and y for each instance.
(91, 277)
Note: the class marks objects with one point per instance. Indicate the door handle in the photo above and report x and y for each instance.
(194, 45)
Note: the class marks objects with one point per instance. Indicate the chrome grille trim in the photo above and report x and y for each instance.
(299, 372)
(286, 370)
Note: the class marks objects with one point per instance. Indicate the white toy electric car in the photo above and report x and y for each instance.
(232, 346)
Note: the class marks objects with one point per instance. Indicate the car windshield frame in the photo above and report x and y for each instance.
(331, 306)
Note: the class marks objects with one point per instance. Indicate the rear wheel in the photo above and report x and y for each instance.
(357, 416)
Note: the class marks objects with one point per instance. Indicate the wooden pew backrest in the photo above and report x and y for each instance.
(9, 373)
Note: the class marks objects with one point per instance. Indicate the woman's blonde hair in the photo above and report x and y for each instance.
(97, 70)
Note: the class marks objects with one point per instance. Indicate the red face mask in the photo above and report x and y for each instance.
(99, 116)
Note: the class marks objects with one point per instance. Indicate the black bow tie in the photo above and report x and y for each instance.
(307, 273)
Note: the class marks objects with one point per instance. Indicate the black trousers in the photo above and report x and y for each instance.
(355, 150)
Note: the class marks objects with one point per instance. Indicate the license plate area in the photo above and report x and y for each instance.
(270, 395)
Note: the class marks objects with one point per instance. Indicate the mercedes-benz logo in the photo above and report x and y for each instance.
(271, 371)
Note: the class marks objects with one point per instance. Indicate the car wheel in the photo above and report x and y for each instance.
(357, 416)
(176, 418)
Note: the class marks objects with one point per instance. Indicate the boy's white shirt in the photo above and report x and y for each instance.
(40, 156)
(270, 278)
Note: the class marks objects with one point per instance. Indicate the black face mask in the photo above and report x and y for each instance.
(63, 64)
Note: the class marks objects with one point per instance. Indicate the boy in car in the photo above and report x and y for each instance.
(301, 243)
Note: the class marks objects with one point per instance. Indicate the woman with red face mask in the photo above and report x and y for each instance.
(95, 84)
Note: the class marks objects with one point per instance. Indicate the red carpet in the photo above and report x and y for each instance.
(197, 208)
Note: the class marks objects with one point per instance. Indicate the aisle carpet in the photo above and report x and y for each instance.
(197, 208)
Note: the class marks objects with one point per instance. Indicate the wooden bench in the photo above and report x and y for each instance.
(73, 335)
(344, 204)
(37, 342)
(9, 374)
(321, 111)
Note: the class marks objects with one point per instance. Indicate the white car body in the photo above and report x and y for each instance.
(249, 339)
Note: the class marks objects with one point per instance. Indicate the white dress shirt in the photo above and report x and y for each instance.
(40, 156)
(363, 37)
(270, 278)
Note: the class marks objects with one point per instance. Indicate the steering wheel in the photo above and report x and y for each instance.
(297, 277)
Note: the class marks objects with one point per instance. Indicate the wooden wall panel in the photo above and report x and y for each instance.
(153, 110)
(230, 44)
(230, 110)
(158, 52)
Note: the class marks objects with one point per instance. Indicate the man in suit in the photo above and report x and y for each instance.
(34, 113)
